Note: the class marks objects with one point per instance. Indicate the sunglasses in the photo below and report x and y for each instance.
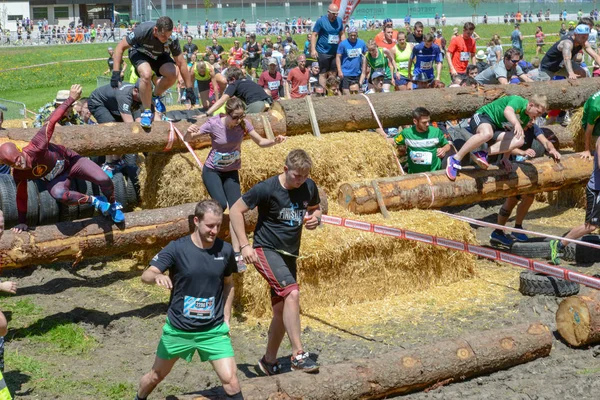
(514, 61)
(242, 116)
(332, 13)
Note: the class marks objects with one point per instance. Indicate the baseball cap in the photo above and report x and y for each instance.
(110, 48)
(62, 96)
(388, 21)
(272, 60)
(377, 74)
(481, 55)
(571, 22)
(276, 46)
(582, 29)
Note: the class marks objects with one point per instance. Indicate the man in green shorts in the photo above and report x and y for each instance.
(426, 145)
(200, 279)
(500, 123)
(591, 113)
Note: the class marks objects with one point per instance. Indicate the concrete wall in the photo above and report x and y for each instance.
(16, 8)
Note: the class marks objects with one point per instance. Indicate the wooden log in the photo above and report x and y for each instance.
(578, 320)
(99, 236)
(471, 186)
(292, 117)
(405, 371)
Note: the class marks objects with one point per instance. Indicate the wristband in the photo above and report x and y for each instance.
(246, 245)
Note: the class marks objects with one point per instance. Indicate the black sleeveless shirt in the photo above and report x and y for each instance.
(554, 57)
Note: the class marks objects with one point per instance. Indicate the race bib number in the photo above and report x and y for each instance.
(353, 53)
(426, 65)
(225, 159)
(465, 56)
(274, 85)
(333, 39)
(421, 157)
(403, 64)
(198, 307)
(303, 89)
(57, 170)
(252, 54)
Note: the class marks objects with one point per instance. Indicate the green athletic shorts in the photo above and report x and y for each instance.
(211, 345)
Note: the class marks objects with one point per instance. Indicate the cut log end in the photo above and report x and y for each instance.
(573, 320)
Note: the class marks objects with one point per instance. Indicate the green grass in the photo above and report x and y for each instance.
(37, 86)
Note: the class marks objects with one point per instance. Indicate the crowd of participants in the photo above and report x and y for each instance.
(225, 85)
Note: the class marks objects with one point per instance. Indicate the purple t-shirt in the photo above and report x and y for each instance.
(226, 144)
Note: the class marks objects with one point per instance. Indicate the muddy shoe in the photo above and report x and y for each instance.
(303, 362)
(268, 368)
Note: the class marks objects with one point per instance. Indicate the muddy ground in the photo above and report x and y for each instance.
(121, 323)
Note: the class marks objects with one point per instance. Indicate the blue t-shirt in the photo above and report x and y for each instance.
(425, 58)
(516, 39)
(328, 35)
(352, 56)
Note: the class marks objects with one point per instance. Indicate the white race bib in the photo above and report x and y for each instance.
(403, 64)
(198, 307)
(353, 53)
(303, 89)
(333, 39)
(426, 65)
(421, 157)
(274, 85)
(59, 167)
(465, 56)
(225, 159)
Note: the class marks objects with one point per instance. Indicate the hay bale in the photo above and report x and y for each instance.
(577, 130)
(357, 267)
(173, 179)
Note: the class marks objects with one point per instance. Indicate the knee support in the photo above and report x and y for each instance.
(504, 212)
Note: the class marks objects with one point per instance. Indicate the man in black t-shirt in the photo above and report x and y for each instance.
(285, 203)
(115, 105)
(250, 92)
(149, 46)
(190, 48)
(201, 283)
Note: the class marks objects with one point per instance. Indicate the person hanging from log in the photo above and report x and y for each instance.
(285, 202)
(56, 165)
(536, 144)
(220, 173)
(500, 124)
(592, 212)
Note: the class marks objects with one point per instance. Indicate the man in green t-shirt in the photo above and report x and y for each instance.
(500, 123)
(591, 113)
(425, 145)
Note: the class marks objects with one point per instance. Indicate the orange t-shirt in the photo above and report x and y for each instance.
(462, 51)
(381, 43)
(299, 81)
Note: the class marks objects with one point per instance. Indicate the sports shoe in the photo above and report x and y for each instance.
(452, 168)
(115, 212)
(501, 238)
(555, 252)
(113, 167)
(268, 368)
(101, 204)
(146, 121)
(480, 158)
(160, 107)
(303, 362)
(521, 237)
(108, 169)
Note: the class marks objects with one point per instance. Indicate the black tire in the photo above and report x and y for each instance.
(532, 249)
(8, 200)
(533, 283)
(67, 212)
(86, 210)
(587, 255)
(118, 181)
(33, 204)
(131, 195)
(48, 206)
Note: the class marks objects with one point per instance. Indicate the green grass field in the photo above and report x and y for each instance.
(37, 86)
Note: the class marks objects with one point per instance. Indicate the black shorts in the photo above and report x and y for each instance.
(203, 86)
(101, 114)
(592, 209)
(138, 58)
(279, 270)
(479, 119)
(347, 81)
(253, 63)
(327, 63)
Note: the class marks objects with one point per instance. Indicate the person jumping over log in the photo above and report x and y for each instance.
(56, 165)
(285, 203)
(535, 145)
(511, 113)
(221, 170)
(592, 212)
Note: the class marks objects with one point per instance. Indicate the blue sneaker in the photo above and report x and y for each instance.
(160, 107)
(502, 239)
(452, 168)
(100, 204)
(480, 158)
(521, 237)
(146, 121)
(115, 212)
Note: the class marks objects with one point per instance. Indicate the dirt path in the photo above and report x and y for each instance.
(91, 332)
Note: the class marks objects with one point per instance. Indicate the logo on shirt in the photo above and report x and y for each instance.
(292, 215)
(39, 170)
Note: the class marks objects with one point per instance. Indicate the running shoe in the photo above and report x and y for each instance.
(160, 107)
(521, 237)
(108, 169)
(146, 121)
(303, 362)
(555, 252)
(480, 158)
(452, 168)
(115, 212)
(113, 167)
(101, 204)
(268, 368)
(501, 238)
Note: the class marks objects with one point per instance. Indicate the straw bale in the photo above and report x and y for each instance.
(172, 179)
(577, 130)
(340, 267)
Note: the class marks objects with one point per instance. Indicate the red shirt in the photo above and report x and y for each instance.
(462, 51)
(273, 83)
(299, 81)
